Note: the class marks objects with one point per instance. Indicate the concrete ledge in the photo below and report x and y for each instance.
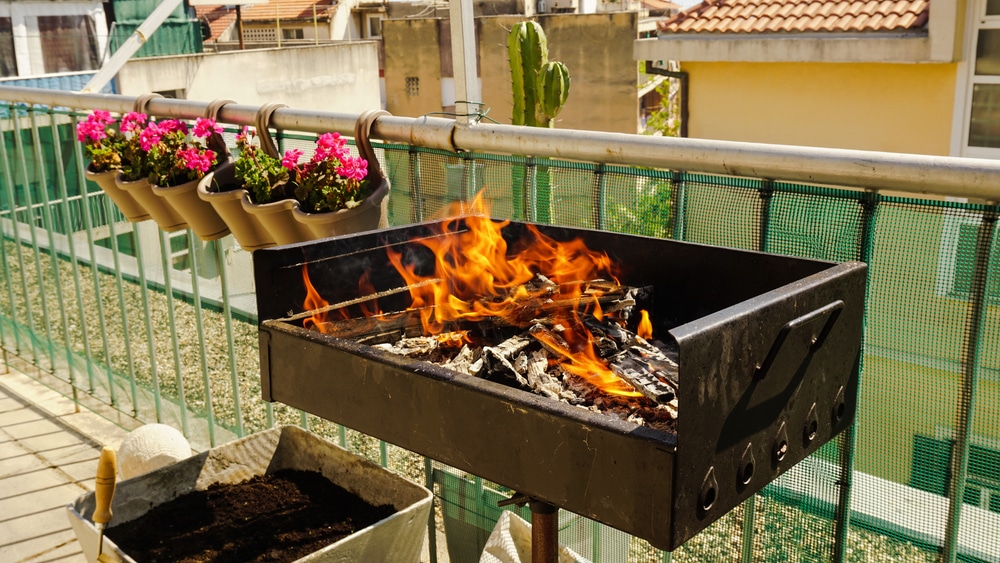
(792, 48)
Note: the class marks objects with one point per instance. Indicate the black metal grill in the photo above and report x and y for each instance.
(768, 348)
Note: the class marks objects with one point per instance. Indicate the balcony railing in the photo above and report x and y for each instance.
(145, 326)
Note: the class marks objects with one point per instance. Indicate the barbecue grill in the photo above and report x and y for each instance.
(767, 348)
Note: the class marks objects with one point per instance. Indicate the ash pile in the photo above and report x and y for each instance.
(585, 346)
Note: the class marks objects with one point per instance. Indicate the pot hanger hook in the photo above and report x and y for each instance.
(362, 138)
(262, 121)
(215, 140)
(142, 101)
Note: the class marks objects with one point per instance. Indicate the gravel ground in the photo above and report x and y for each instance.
(122, 341)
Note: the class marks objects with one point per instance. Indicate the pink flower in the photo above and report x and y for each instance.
(354, 168)
(90, 131)
(204, 127)
(330, 145)
(243, 135)
(193, 159)
(151, 135)
(291, 159)
(133, 121)
(171, 125)
(100, 116)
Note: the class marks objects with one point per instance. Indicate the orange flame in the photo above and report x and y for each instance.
(645, 329)
(477, 276)
(313, 302)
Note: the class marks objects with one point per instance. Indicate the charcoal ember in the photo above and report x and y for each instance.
(496, 367)
(539, 379)
(412, 347)
(467, 361)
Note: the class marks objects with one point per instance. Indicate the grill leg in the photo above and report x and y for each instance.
(544, 532)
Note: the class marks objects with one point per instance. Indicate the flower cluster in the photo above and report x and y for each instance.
(330, 180)
(260, 174)
(142, 148)
(174, 157)
(102, 141)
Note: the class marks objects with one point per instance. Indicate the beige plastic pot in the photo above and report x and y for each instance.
(218, 188)
(127, 204)
(199, 215)
(159, 209)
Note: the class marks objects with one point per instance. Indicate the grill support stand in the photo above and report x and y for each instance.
(544, 527)
(544, 532)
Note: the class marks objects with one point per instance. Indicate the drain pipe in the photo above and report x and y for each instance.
(135, 41)
(683, 77)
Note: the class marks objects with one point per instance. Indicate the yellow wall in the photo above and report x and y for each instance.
(884, 107)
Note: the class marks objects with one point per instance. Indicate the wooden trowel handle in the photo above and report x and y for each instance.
(104, 488)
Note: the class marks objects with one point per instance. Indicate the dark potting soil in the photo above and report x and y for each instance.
(276, 517)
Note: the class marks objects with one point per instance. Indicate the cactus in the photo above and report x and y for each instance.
(540, 86)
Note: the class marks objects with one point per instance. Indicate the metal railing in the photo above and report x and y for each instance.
(132, 321)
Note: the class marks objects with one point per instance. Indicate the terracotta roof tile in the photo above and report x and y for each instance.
(282, 9)
(777, 16)
(219, 19)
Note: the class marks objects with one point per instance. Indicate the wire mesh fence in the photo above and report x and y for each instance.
(161, 327)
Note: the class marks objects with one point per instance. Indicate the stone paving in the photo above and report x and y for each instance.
(45, 463)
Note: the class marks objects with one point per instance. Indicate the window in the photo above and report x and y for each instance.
(69, 43)
(931, 471)
(981, 137)
(374, 26)
(412, 86)
(958, 257)
(8, 64)
(297, 33)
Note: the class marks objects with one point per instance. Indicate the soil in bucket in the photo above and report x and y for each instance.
(275, 517)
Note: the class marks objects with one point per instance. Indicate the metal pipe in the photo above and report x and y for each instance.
(463, 56)
(544, 532)
(194, 251)
(970, 376)
(918, 174)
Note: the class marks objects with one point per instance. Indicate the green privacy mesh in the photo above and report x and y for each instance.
(116, 334)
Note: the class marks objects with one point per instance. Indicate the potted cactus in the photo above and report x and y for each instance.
(540, 88)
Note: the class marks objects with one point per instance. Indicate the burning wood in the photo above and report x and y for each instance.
(545, 316)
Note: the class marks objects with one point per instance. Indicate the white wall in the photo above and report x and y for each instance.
(339, 77)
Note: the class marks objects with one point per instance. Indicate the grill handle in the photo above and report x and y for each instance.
(831, 310)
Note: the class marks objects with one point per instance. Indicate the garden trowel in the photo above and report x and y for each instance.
(104, 492)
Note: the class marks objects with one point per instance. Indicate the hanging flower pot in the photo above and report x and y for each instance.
(158, 208)
(369, 215)
(177, 161)
(220, 190)
(277, 456)
(199, 215)
(129, 207)
(278, 220)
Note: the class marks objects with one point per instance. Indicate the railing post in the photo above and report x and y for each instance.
(959, 463)
(193, 253)
(168, 290)
(88, 225)
(842, 517)
(228, 319)
(600, 196)
(29, 208)
(677, 203)
(416, 187)
(12, 201)
(53, 255)
(68, 229)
